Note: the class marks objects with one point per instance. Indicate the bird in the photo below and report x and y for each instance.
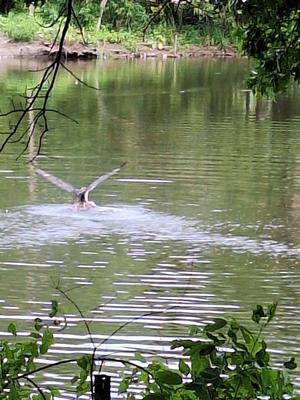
(82, 201)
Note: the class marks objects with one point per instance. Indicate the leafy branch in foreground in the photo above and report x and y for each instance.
(223, 360)
(270, 32)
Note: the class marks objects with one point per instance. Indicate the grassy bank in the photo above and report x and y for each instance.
(21, 27)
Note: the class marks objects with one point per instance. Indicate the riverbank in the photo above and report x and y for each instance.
(13, 49)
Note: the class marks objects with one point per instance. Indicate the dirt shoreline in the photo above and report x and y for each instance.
(11, 49)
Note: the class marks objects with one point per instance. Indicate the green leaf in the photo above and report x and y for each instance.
(247, 335)
(184, 367)
(290, 364)
(232, 334)
(247, 384)
(219, 323)
(271, 311)
(218, 340)
(13, 392)
(85, 362)
(156, 396)
(211, 374)
(83, 388)
(168, 378)
(144, 377)
(138, 356)
(54, 309)
(84, 373)
(262, 357)
(12, 328)
(47, 341)
(198, 364)
(38, 324)
(187, 344)
(54, 391)
(123, 386)
(205, 348)
(258, 313)
(234, 327)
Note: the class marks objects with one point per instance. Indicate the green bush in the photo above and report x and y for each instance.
(19, 27)
(128, 39)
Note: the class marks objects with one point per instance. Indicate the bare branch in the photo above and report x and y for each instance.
(36, 386)
(79, 26)
(42, 91)
(57, 34)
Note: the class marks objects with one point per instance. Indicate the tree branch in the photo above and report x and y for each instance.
(47, 82)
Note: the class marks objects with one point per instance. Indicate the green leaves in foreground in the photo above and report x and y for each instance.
(17, 360)
(167, 377)
(290, 364)
(259, 313)
(222, 361)
(47, 341)
(12, 329)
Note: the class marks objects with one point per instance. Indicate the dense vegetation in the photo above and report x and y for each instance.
(125, 21)
(270, 32)
(222, 360)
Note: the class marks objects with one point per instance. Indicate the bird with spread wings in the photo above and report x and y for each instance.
(82, 194)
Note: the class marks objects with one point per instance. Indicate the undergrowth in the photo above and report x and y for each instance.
(22, 27)
(19, 27)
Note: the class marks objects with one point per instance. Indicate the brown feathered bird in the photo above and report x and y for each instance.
(82, 194)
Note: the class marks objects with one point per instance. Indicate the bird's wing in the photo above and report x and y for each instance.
(56, 181)
(103, 178)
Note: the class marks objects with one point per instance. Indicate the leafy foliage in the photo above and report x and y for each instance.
(19, 27)
(17, 361)
(198, 19)
(270, 32)
(224, 360)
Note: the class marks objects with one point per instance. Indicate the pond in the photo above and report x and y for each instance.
(203, 221)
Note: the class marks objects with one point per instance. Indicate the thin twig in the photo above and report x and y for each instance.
(79, 26)
(78, 79)
(44, 367)
(36, 386)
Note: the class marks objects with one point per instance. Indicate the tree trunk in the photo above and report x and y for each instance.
(102, 7)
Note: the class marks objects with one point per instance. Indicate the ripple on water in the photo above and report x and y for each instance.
(33, 226)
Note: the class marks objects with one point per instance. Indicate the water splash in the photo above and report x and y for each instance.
(33, 226)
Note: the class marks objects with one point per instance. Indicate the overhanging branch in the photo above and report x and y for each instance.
(40, 93)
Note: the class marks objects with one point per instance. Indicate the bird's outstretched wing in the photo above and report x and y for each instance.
(103, 178)
(56, 181)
